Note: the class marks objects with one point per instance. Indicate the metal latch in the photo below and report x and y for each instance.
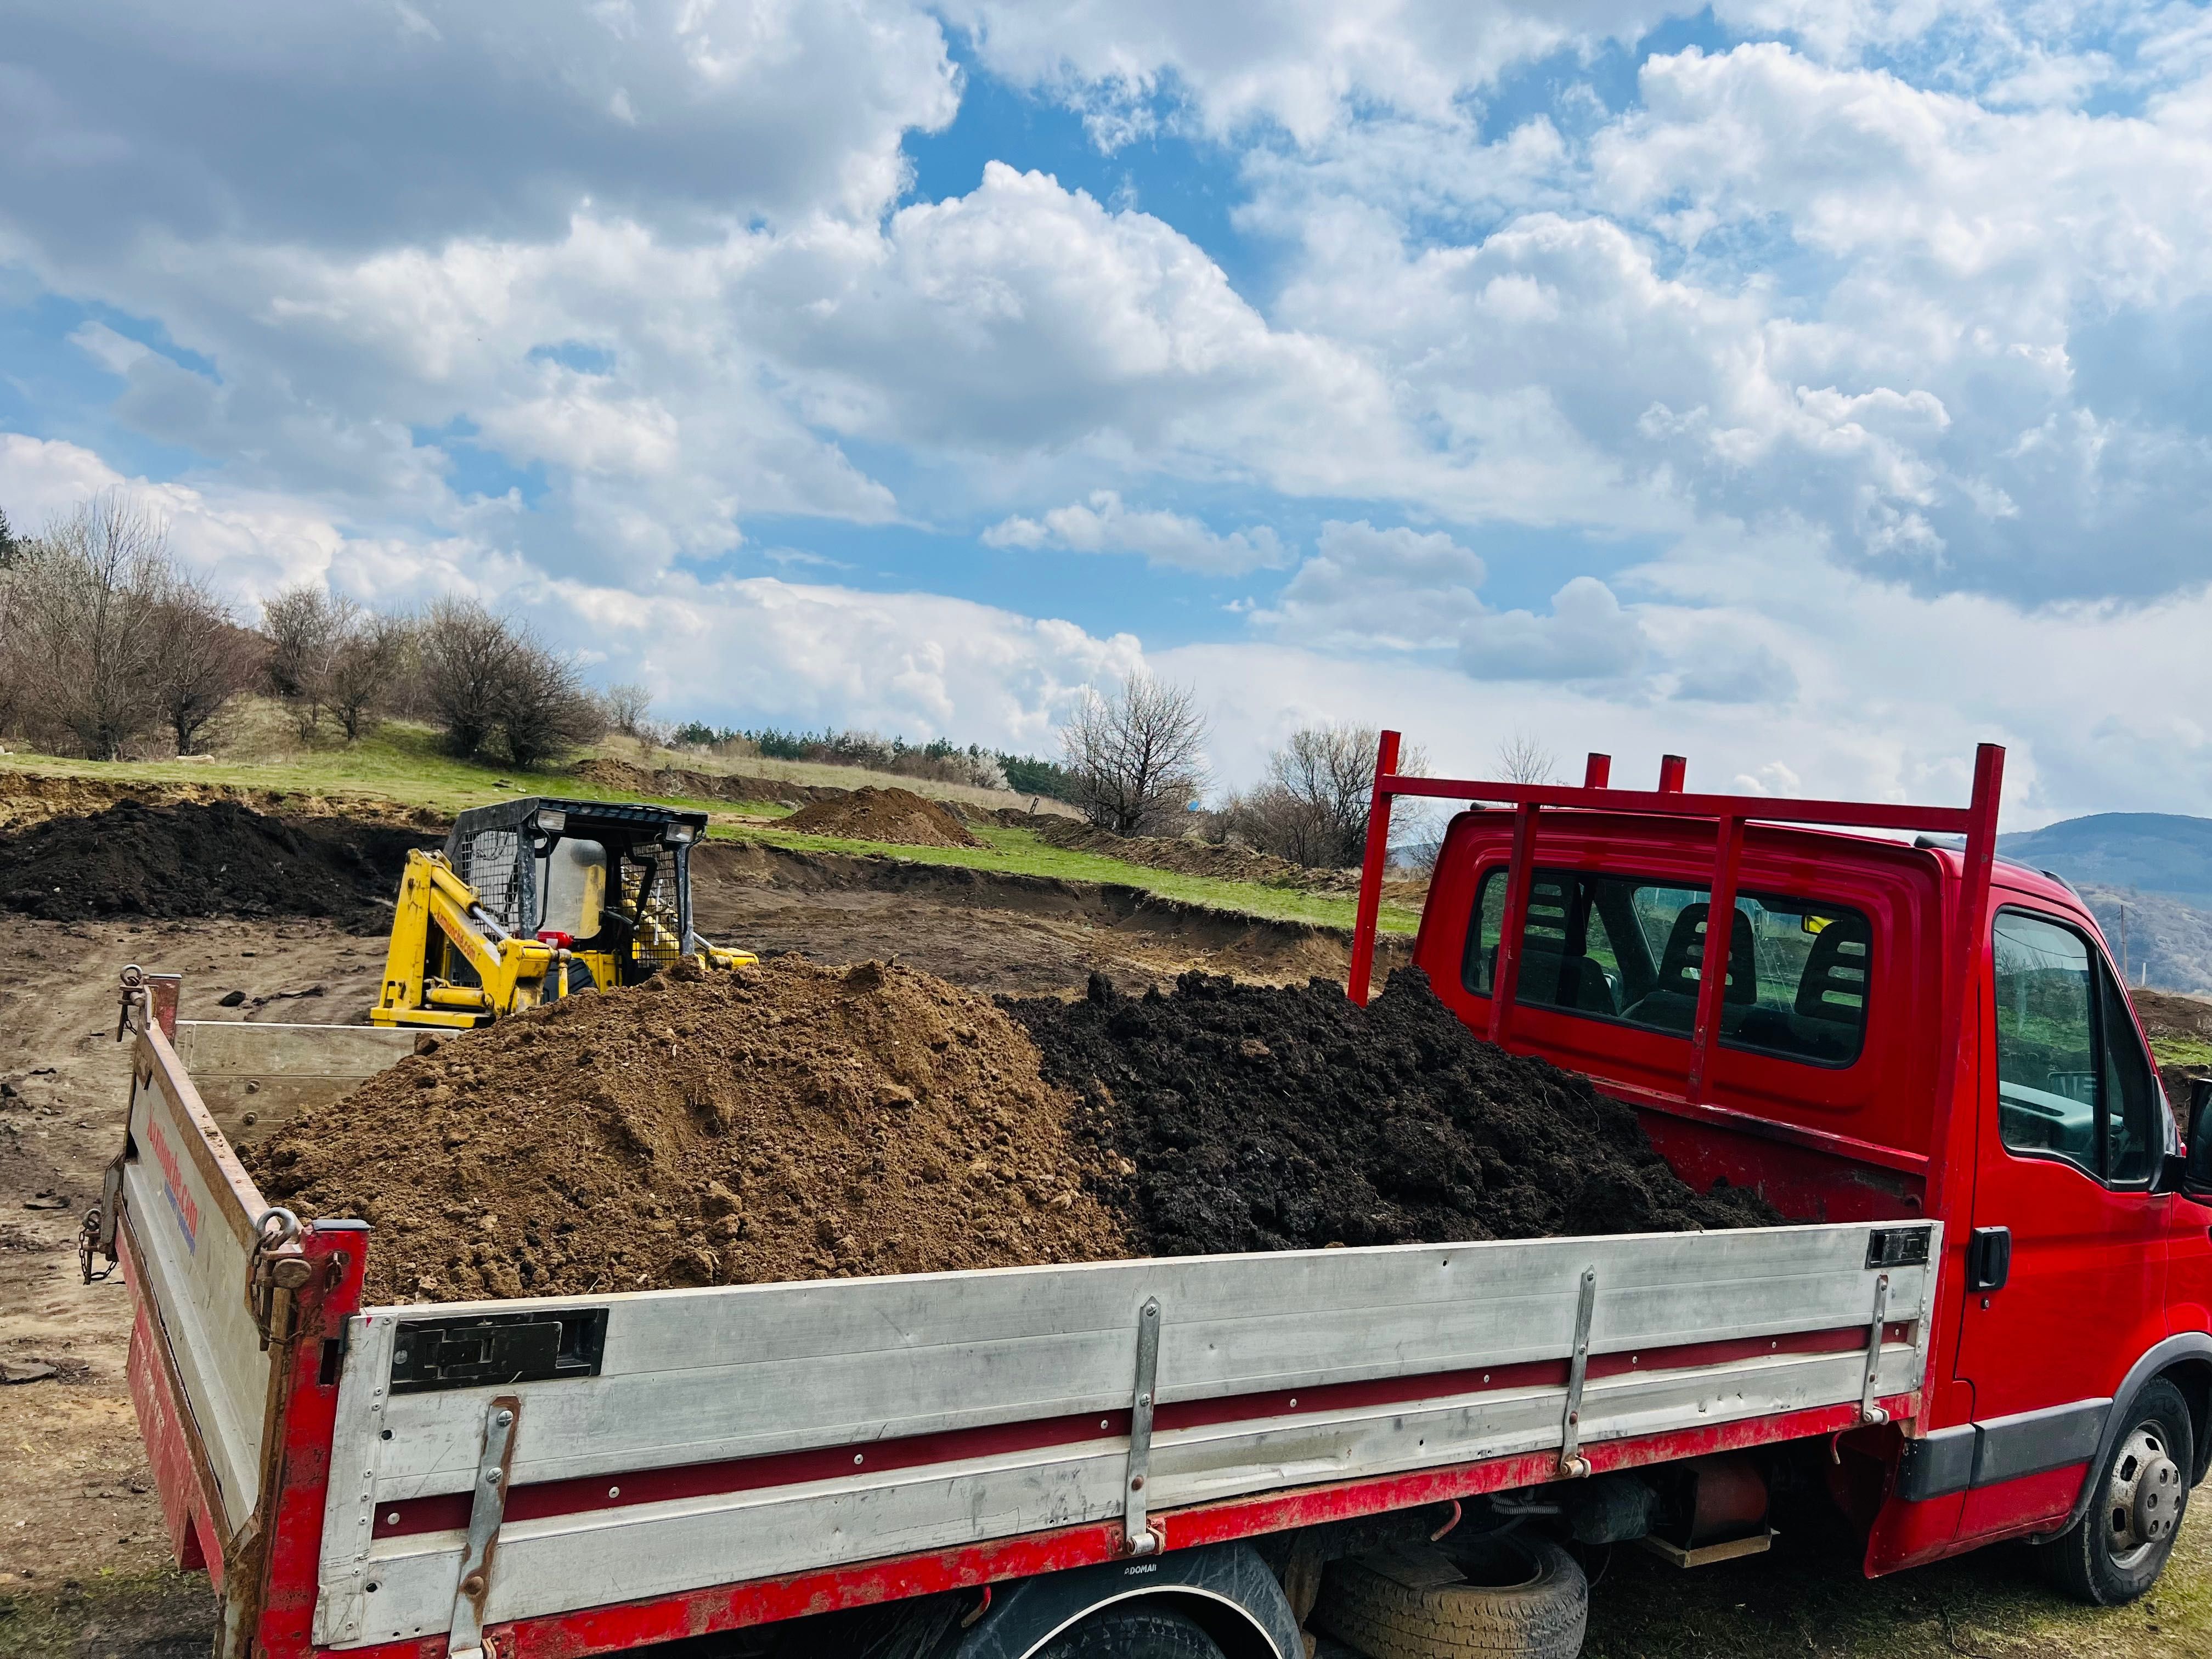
(473, 1350)
(487, 1511)
(1573, 1466)
(1137, 1535)
(276, 1270)
(1897, 1247)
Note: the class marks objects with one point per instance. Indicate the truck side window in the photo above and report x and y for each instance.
(1632, 949)
(2072, 1081)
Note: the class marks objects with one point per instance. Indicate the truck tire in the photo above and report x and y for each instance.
(1138, 1633)
(1519, 1595)
(2118, 1547)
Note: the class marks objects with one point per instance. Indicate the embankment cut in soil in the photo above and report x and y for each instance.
(788, 1121)
(216, 859)
(1251, 1118)
(890, 815)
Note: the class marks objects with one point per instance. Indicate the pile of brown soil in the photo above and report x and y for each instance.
(28, 798)
(217, 860)
(1180, 853)
(681, 783)
(788, 1121)
(1250, 1118)
(889, 815)
(1223, 860)
(2180, 1027)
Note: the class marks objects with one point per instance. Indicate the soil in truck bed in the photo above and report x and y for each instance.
(797, 1121)
(779, 1123)
(1246, 1117)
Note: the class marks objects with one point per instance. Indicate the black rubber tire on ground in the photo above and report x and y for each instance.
(1138, 1633)
(2110, 1554)
(1537, 1609)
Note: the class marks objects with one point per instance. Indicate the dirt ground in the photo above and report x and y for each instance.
(992, 932)
(83, 1571)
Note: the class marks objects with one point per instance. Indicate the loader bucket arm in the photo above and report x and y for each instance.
(436, 904)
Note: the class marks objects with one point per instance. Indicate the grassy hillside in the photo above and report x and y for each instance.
(1020, 852)
(403, 764)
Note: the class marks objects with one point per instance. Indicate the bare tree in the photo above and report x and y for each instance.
(484, 676)
(364, 669)
(467, 654)
(1137, 755)
(307, 626)
(298, 624)
(202, 658)
(1524, 760)
(628, 709)
(543, 708)
(84, 626)
(1313, 806)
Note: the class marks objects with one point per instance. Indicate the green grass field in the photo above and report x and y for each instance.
(1020, 852)
(404, 765)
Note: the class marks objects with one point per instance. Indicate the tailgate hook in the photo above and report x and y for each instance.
(1573, 1466)
(486, 1512)
(276, 1265)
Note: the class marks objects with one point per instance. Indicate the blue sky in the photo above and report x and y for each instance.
(1813, 388)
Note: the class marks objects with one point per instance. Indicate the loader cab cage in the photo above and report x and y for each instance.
(1969, 942)
(507, 854)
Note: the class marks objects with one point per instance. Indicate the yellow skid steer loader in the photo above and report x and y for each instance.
(534, 899)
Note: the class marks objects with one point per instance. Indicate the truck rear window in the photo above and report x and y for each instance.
(1630, 949)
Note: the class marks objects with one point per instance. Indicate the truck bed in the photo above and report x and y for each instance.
(733, 1453)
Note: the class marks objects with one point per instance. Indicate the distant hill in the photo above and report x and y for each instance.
(2169, 941)
(2159, 865)
(2161, 853)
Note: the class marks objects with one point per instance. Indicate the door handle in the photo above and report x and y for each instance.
(1989, 1259)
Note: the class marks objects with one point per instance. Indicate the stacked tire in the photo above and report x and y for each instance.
(1517, 1594)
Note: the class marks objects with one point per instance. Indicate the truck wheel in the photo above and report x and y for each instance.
(2118, 1547)
(1518, 1595)
(1133, 1633)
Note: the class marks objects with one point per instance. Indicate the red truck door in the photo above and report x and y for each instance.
(2071, 1126)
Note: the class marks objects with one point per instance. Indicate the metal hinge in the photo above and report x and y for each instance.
(1573, 1466)
(1138, 1537)
(486, 1510)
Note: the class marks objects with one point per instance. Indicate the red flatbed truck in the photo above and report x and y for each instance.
(1176, 1457)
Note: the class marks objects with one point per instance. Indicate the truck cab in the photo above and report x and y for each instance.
(1902, 1030)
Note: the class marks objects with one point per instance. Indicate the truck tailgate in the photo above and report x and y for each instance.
(742, 1433)
(186, 1225)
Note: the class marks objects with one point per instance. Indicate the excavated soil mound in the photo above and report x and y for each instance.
(28, 798)
(683, 784)
(1224, 860)
(216, 859)
(788, 1121)
(1182, 855)
(1245, 1118)
(892, 814)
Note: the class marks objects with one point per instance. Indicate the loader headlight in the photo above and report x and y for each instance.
(553, 823)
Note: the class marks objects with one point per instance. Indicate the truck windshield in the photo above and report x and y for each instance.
(1632, 949)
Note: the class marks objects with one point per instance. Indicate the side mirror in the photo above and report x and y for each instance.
(2196, 1168)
